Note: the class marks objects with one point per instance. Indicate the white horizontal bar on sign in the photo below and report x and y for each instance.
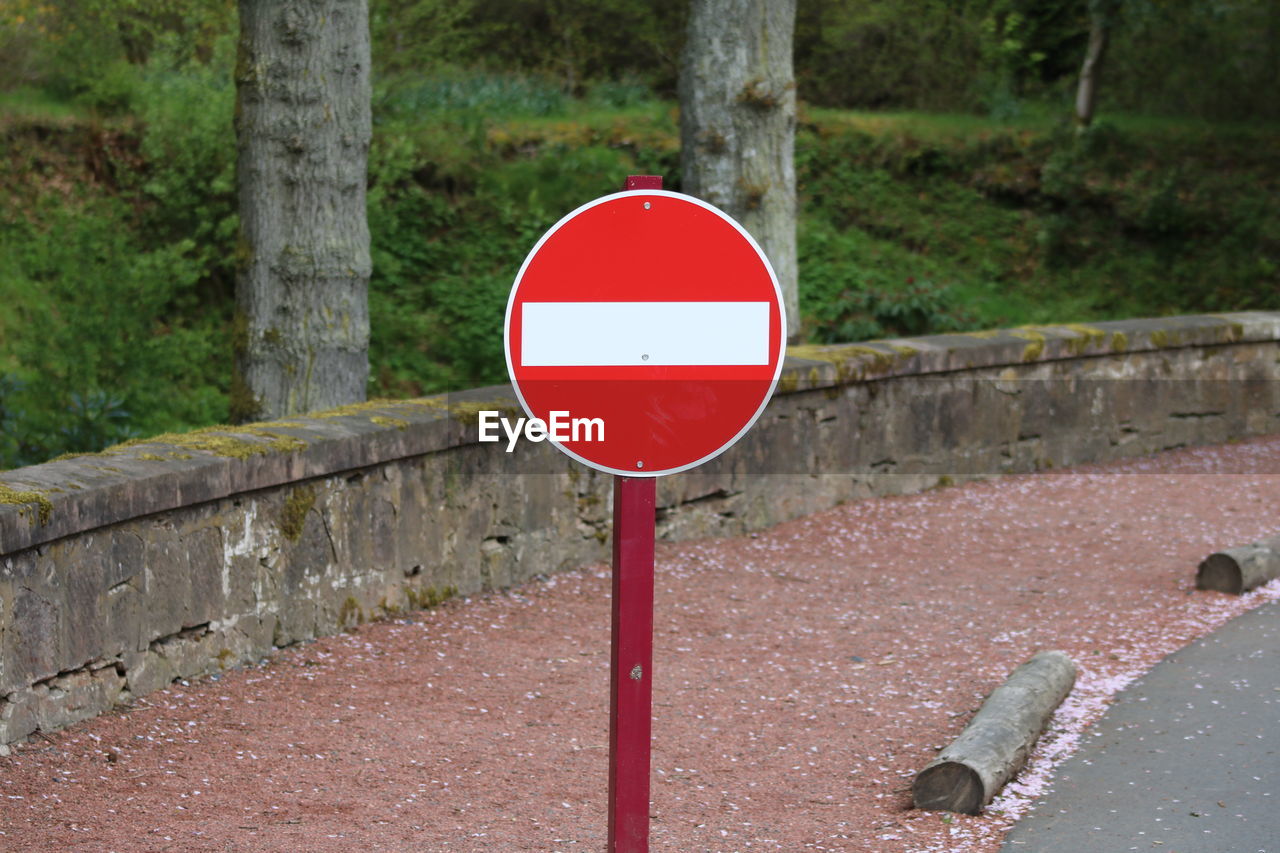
(582, 334)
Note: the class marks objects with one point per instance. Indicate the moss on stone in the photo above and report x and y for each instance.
(350, 612)
(293, 516)
(376, 410)
(788, 382)
(383, 420)
(428, 597)
(351, 409)
(469, 412)
(1035, 346)
(162, 457)
(1119, 342)
(26, 500)
(852, 361)
(1085, 337)
(1160, 338)
(226, 441)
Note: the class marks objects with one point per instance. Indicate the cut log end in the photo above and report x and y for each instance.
(993, 747)
(949, 786)
(1238, 570)
(1222, 573)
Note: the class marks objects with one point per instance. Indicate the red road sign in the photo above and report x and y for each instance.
(655, 313)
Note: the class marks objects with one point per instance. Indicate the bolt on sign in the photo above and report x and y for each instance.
(656, 316)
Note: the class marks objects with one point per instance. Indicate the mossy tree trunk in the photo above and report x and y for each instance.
(738, 121)
(302, 130)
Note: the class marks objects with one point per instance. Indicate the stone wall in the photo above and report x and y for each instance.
(124, 570)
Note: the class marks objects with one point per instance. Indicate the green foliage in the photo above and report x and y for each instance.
(421, 36)
(475, 92)
(187, 190)
(1007, 58)
(118, 247)
(939, 224)
(95, 358)
(575, 44)
(1213, 59)
(855, 288)
(87, 49)
(493, 118)
(867, 54)
(581, 41)
(1204, 58)
(451, 219)
(1168, 216)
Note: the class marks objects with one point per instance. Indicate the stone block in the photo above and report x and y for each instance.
(18, 715)
(124, 594)
(33, 640)
(167, 581)
(146, 671)
(82, 564)
(247, 638)
(77, 696)
(205, 563)
(190, 653)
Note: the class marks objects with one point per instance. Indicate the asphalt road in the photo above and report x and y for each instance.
(1186, 761)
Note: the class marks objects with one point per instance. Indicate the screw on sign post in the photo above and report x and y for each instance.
(656, 317)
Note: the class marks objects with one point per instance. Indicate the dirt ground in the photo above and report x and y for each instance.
(802, 676)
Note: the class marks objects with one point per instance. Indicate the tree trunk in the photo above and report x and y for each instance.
(302, 281)
(993, 747)
(1238, 570)
(1091, 70)
(737, 124)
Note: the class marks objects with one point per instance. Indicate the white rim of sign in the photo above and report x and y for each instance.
(777, 290)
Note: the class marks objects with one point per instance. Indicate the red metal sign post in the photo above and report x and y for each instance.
(631, 673)
(631, 669)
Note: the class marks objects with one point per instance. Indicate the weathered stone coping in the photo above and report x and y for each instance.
(42, 503)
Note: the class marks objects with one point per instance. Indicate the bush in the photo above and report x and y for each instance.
(99, 356)
(475, 92)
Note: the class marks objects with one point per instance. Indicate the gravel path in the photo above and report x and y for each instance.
(802, 675)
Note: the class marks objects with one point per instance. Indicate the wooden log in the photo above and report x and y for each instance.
(993, 747)
(1238, 570)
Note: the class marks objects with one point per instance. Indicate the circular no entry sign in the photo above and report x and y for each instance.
(649, 326)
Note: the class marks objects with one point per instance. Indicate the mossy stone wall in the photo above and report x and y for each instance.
(166, 559)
